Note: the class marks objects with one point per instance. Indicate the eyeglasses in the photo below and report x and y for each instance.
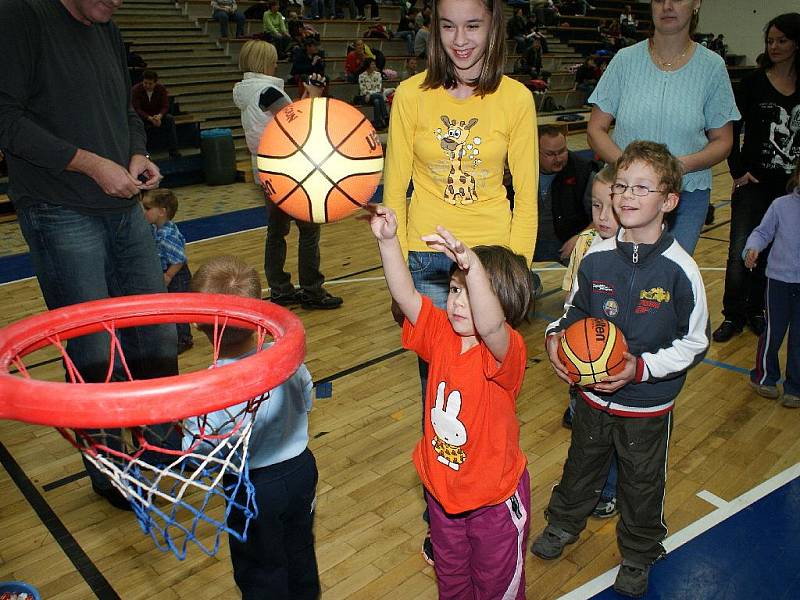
(618, 189)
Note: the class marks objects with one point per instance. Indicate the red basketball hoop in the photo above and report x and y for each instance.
(175, 447)
(129, 403)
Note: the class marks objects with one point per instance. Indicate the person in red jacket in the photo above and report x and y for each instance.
(151, 101)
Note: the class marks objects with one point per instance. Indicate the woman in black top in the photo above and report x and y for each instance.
(769, 102)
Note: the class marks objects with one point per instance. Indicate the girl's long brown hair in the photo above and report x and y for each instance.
(442, 73)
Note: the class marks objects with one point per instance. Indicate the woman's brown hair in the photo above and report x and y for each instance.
(442, 73)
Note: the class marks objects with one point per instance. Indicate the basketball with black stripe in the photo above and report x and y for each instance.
(319, 159)
(592, 350)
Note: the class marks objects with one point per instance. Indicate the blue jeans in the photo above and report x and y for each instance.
(223, 18)
(686, 221)
(78, 258)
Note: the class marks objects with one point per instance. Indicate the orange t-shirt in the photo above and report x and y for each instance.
(469, 456)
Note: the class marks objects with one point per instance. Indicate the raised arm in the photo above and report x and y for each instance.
(383, 222)
(487, 313)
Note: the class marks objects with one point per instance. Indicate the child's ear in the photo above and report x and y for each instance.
(670, 202)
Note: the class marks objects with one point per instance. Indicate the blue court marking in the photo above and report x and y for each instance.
(752, 554)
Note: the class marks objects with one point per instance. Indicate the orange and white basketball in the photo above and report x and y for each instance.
(592, 349)
(320, 159)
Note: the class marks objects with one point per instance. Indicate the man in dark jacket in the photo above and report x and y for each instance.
(565, 184)
(150, 100)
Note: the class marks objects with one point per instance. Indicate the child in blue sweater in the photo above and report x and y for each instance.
(779, 227)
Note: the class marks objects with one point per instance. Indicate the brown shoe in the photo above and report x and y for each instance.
(765, 391)
(791, 401)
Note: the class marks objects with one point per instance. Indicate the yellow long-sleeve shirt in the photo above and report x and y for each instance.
(455, 151)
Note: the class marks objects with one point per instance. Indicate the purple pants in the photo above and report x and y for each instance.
(480, 555)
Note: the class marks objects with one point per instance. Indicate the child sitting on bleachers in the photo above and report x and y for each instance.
(370, 85)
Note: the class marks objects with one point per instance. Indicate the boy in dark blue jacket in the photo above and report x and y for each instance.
(649, 287)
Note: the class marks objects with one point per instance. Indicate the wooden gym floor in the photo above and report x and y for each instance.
(60, 537)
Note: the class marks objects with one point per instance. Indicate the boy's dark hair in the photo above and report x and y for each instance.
(510, 279)
(442, 73)
(161, 198)
(150, 75)
(658, 157)
(367, 63)
(227, 275)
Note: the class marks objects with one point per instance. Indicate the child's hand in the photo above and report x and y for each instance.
(615, 382)
(552, 344)
(382, 220)
(751, 258)
(458, 251)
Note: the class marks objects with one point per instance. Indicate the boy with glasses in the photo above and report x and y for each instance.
(645, 283)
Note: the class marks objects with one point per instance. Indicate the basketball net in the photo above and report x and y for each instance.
(184, 478)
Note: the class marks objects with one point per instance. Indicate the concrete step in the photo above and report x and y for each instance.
(164, 63)
(157, 35)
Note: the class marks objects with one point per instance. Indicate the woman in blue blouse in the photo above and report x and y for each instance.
(669, 89)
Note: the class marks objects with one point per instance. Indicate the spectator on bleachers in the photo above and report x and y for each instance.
(718, 45)
(407, 28)
(275, 28)
(531, 61)
(150, 100)
(421, 39)
(225, 11)
(136, 64)
(546, 11)
(517, 29)
(586, 77)
(370, 85)
(611, 35)
(373, 9)
(256, 11)
(351, 9)
(565, 188)
(628, 23)
(671, 90)
(410, 69)
(307, 60)
(426, 11)
(354, 63)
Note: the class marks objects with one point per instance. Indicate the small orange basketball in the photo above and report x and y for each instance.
(319, 159)
(592, 349)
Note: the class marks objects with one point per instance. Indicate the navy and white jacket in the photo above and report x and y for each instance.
(655, 295)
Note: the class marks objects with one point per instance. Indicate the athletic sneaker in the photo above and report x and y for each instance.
(607, 507)
(427, 550)
(324, 302)
(632, 579)
(551, 542)
(791, 401)
(289, 299)
(765, 391)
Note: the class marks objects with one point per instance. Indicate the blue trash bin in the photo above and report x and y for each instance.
(219, 156)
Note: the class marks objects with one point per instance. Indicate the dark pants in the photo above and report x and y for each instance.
(380, 114)
(744, 289)
(641, 445)
(783, 312)
(277, 561)
(166, 130)
(223, 18)
(373, 8)
(77, 258)
(180, 284)
(280, 282)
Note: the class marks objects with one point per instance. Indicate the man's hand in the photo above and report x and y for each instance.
(141, 165)
(743, 181)
(751, 258)
(113, 179)
(156, 120)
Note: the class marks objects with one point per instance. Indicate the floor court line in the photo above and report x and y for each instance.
(690, 532)
(711, 498)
